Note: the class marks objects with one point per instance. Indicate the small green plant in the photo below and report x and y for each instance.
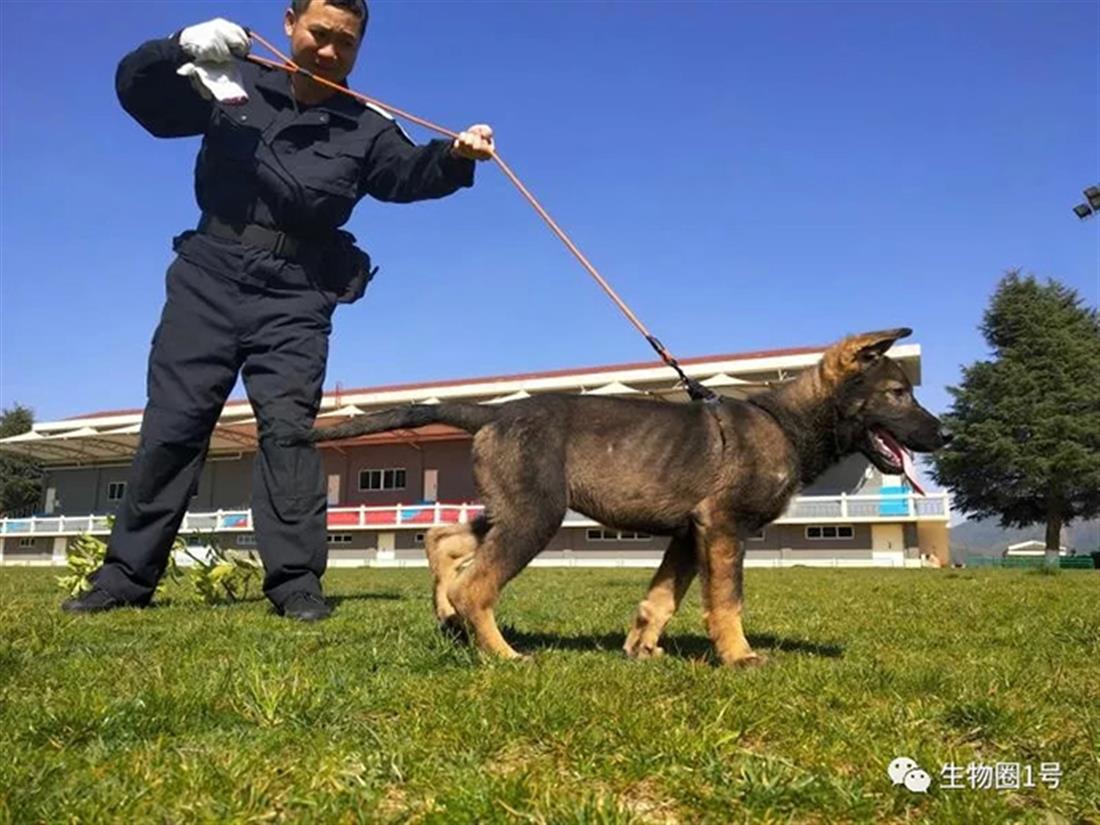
(83, 554)
(222, 576)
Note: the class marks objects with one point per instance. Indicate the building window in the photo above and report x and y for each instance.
(339, 538)
(246, 539)
(824, 532)
(115, 490)
(598, 534)
(26, 543)
(371, 480)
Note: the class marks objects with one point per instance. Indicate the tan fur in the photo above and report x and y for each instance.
(845, 359)
(449, 549)
(666, 591)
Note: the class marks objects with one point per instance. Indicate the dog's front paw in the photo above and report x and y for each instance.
(752, 659)
(637, 647)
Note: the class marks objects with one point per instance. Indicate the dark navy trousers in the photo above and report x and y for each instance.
(273, 329)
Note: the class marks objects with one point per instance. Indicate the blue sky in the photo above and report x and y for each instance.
(747, 175)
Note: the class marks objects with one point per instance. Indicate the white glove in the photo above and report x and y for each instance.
(215, 41)
(222, 81)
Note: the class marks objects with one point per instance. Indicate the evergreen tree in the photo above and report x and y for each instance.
(20, 478)
(1026, 424)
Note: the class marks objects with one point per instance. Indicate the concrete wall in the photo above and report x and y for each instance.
(41, 550)
(450, 459)
(225, 485)
(83, 490)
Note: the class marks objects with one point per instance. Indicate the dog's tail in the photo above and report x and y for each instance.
(468, 417)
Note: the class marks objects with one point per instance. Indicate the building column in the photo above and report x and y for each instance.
(934, 541)
(58, 557)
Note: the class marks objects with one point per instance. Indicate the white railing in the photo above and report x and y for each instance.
(882, 507)
(803, 509)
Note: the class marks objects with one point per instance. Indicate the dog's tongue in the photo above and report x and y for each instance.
(906, 459)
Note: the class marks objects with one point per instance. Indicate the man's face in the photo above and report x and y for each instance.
(324, 39)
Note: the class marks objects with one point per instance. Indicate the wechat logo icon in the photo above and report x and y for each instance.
(904, 771)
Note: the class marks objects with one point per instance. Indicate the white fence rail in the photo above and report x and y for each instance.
(802, 510)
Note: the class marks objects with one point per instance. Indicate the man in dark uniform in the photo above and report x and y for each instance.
(253, 288)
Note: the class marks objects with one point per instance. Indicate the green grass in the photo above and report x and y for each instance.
(186, 713)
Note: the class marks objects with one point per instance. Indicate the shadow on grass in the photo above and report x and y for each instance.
(384, 596)
(253, 598)
(684, 646)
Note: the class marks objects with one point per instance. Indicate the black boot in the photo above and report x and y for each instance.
(305, 607)
(96, 600)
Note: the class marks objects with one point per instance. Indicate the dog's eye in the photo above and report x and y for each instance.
(898, 393)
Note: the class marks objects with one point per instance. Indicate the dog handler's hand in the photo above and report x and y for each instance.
(215, 41)
(475, 143)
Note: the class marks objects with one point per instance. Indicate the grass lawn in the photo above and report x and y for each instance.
(187, 713)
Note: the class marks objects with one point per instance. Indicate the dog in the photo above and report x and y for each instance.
(708, 475)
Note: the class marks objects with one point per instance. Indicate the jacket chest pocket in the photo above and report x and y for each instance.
(332, 170)
(235, 135)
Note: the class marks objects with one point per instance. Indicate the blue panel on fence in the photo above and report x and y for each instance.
(894, 507)
(236, 520)
(15, 526)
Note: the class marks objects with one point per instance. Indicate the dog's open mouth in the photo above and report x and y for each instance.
(894, 455)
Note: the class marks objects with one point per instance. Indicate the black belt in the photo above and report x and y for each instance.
(278, 243)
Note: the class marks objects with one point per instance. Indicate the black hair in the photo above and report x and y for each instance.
(356, 7)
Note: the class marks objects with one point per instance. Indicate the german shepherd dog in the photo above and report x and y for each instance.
(705, 474)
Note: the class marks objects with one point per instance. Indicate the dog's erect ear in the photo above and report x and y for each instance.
(858, 352)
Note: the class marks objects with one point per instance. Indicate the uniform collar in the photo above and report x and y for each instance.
(340, 105)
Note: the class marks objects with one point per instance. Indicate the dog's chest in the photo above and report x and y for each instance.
(765, 495)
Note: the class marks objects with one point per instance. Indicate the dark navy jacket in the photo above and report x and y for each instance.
(299, 170)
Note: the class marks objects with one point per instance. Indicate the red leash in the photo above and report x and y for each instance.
(696, 390)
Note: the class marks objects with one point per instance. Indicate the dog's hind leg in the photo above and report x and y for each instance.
(520, 473)
(666, 591)
(449, 549)
(503, 553)
(721, 555)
